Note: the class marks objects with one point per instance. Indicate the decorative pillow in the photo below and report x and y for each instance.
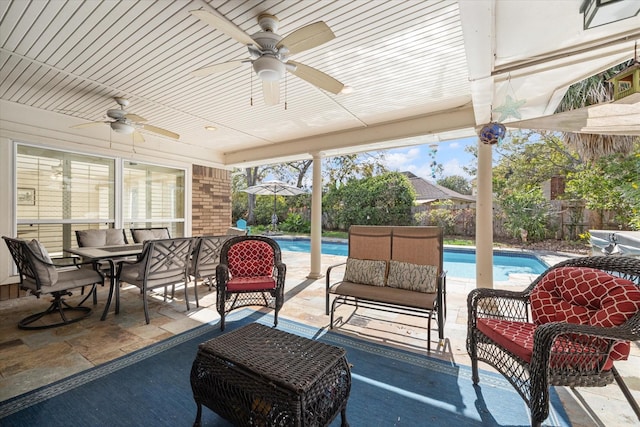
(47, 274)
(365, 271)
(585, 296)
(413, 277)
(251, 258)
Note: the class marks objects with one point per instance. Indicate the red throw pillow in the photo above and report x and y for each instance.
(251, 258)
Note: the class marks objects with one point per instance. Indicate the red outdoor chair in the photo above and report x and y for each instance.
(250, 272)
(568, 328)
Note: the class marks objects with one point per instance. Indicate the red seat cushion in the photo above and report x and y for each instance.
(250, 258)
(517, 337)
(248, 284)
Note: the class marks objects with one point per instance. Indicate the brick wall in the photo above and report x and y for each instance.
(211, 201)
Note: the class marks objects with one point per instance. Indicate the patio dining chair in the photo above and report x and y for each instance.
(206, 257)
(163, 262)
(40, 276)
(568, 328)
(250, 272)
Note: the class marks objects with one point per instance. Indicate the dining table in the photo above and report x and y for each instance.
(113, 255)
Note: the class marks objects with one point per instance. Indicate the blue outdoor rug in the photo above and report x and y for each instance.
(390, 387)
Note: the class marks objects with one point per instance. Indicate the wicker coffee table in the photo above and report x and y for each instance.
(260, 376)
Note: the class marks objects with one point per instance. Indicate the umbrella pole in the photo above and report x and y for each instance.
(274, 220)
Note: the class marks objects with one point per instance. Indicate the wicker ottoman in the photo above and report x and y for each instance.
(260, 376)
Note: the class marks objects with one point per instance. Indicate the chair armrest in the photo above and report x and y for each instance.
(497, 304)
(68, 261)
(222, 276)
(281, 271)
(329, 284)
(573, 358)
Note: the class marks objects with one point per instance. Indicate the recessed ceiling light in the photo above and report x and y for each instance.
(211, 128)
(347, 89)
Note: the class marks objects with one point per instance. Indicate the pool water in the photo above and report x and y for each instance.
(458, 262)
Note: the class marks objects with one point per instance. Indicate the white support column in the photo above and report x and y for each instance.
(316, 218)
(484, 218)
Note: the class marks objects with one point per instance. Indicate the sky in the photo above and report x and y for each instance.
(417, 159)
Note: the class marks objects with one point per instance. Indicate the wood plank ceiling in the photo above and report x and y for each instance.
(403, 59)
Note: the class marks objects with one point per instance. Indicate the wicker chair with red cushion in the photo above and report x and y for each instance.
(250, 272)
(566, 329)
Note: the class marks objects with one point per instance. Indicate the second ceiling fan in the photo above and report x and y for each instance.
(269, 52)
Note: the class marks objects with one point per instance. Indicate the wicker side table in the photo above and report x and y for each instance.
(260, 376)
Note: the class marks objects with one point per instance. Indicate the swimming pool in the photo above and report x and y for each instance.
(458, 262)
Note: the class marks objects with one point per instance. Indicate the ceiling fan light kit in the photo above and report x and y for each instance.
(269, 68)
(122, 127)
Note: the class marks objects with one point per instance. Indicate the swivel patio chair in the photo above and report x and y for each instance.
(162, 263)
(250, 272)
(40, 276)
(566, 329)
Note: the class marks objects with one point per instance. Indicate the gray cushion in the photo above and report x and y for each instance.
(47, 274)
(413, 277)
(153, 234)
(365, 271)
(95, 238)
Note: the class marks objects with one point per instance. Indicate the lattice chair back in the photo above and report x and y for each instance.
(250, 272)
(162, 263)
(206, 258)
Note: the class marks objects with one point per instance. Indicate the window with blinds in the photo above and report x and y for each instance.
(58, 192)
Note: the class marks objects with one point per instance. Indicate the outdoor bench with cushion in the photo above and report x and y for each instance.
(392, 268)
(566, 329)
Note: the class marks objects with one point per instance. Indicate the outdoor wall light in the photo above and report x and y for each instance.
(601, 12)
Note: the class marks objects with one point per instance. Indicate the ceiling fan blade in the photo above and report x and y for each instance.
(160, 131)
(135, 118)
(271, 92)
(217, 68)
(307, 37)
(316, 77)
(86, 125)
(220, 22)
(137, 137)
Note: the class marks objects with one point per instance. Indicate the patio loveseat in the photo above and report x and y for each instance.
(396, 269)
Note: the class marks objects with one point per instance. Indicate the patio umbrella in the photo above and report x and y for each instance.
(277, 188)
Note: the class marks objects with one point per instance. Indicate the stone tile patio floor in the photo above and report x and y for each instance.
(30, 359)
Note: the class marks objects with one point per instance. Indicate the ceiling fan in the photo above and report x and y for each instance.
(127, 123)
(269, 52)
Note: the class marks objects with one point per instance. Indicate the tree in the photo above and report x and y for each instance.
(610, 184)
(378, 200)
(336, 169)
(457, 183)
(594, 90)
